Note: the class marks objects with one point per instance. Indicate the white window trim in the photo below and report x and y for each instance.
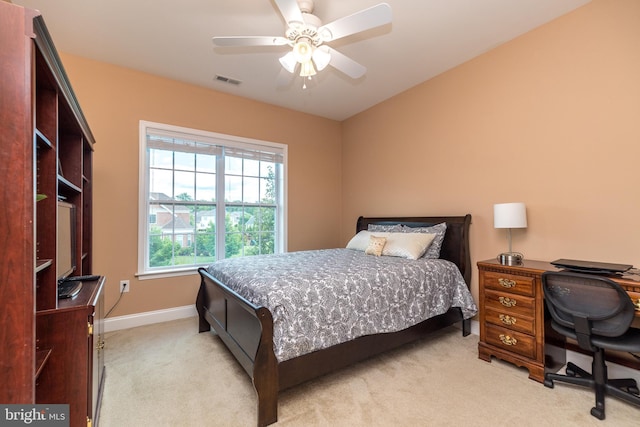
(143, 213)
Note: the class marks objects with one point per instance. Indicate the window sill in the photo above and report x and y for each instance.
(161, 274)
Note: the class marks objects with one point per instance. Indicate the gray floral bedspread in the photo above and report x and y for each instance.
(325, 297)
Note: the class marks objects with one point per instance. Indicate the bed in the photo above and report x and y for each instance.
(249, 332)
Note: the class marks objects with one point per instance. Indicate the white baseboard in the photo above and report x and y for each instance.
(149, 317)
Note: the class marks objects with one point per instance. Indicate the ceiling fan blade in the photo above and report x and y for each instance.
(366, 19)
(250, 41)
(290, 10)
(345, 64)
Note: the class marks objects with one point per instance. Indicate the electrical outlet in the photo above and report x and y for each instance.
(124, 286)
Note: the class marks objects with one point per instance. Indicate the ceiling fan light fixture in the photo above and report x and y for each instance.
(307, 70)
(306, 37)
(302, 51)
(321, 58)
(289, 62)
(325, 34)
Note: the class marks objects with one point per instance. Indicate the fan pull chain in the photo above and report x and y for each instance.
(304, 82)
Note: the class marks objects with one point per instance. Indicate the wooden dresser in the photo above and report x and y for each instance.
(512, 318)
(514, 326)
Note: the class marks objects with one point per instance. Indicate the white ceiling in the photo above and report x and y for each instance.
(172, 38)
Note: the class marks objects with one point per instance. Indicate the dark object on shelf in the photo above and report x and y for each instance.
(591, 266)
(69, 289)
(86, 278)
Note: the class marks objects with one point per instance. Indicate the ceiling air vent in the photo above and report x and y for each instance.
(227, 80)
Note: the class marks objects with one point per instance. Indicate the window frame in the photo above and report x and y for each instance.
(228, 141)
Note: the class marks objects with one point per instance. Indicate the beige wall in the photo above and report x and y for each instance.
(551, 119)
(115, 99)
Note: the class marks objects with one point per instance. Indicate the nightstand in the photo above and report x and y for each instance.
(512, 318)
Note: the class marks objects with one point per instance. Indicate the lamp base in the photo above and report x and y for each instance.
(510, 258)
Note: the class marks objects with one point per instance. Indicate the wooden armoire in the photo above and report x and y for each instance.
(51, 349)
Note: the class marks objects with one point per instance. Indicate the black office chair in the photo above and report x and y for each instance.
(597, 313)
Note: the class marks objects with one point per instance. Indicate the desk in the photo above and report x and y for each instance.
(513, 325)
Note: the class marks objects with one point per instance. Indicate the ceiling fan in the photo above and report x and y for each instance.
(308, 38)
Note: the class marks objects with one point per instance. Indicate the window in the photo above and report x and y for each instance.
(206, 196)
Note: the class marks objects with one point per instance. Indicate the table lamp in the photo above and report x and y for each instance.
(510, 215)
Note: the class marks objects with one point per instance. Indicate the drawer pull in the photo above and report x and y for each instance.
(507, 302)
(507, 340)
(636, 304)
(507, 283)
(507, 320)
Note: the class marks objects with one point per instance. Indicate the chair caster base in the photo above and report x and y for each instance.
(598, 413)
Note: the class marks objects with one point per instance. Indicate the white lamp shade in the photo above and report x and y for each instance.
(510, 215)
(321, 57)
(289, 62)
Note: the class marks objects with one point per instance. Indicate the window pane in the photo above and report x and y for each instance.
(205, 242)
(205, 163)
(267, 219)
(160, 184)
(267, 169)
(185, 234)
(161, 242)
(205, 187)
(185, 161)
(251, 167)
(266, 243)
(251, 190)
(233, 165)
(233, 189)
(233, 232)
(185, 185)
(156, 247)
(160, 158)
(267, 194)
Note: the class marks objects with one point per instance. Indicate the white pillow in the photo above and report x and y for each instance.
(361, 240)
(405, 245)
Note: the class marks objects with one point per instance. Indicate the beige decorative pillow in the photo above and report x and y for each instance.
(405, 245)
(375, 245)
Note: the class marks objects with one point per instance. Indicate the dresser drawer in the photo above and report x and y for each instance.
(514, 321)
(510, 303)
(509, 282)
(511, 341)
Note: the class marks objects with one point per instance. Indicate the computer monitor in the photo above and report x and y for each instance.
(66, 240)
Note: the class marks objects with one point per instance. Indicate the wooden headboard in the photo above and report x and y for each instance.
(455, 247)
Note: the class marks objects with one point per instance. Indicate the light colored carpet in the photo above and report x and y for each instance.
(168, 374)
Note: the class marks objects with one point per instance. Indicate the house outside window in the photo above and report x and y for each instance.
(206, 196)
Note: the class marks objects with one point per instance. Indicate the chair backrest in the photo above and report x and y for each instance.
(587, 303)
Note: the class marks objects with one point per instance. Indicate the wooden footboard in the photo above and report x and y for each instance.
(247, 331)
